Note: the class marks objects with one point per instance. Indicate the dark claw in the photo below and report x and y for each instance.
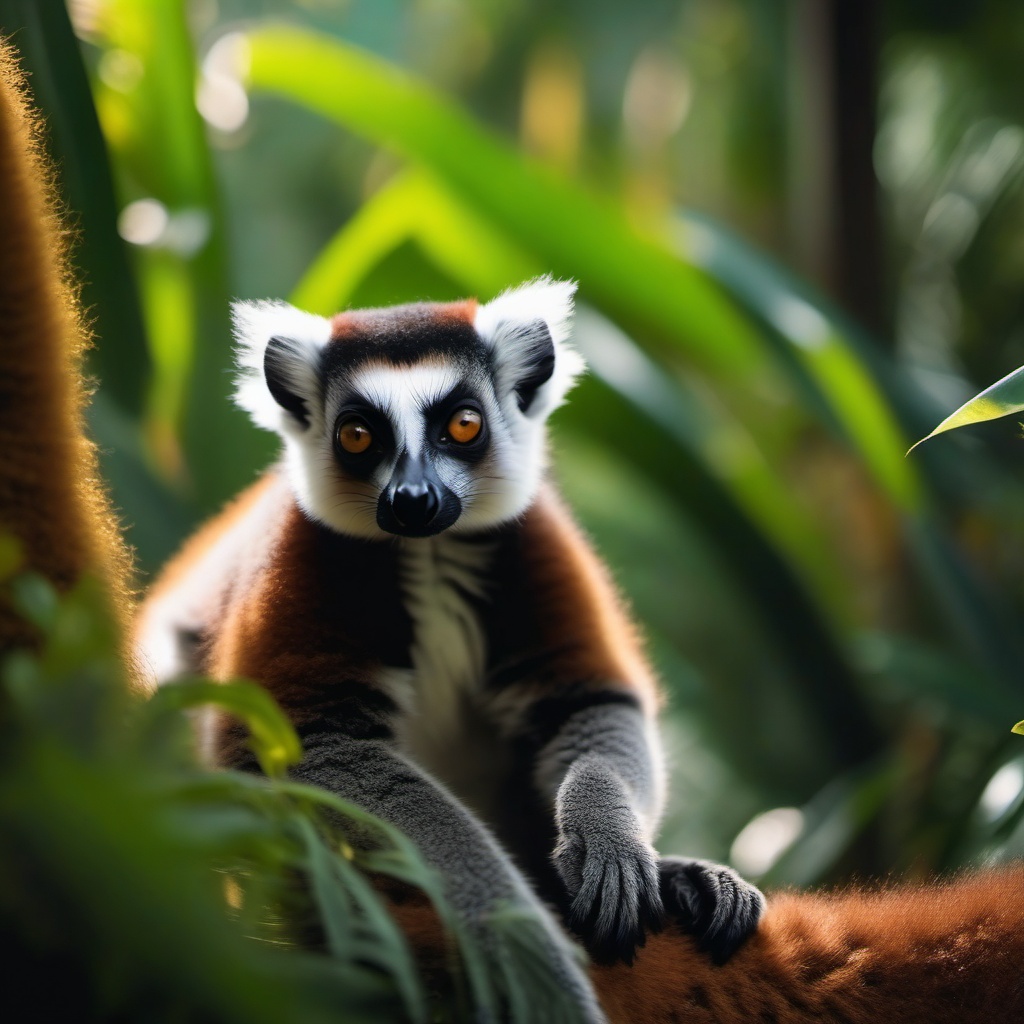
(712, 902)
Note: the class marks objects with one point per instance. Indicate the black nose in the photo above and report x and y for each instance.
(416, 504)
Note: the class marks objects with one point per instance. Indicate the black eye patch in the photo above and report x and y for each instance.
(438, 416)
(382, 438)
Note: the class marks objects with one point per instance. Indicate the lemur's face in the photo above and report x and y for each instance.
(411, 420)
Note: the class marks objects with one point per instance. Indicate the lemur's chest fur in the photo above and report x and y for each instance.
(446, 585)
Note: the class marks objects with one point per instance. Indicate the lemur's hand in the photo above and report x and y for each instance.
(611, 874)
(712, 902)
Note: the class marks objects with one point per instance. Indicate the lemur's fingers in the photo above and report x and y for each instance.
(712, 902)
(616, 898)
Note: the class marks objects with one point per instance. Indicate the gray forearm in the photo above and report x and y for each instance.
(604, 758)
(478, 876)
(373, 775)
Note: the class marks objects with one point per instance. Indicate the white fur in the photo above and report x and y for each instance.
(494, 491)
(403, 393)
(501, 323)
(449, 649)
(255, 324)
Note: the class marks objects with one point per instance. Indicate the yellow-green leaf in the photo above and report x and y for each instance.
(272, 738)
(1003, 398)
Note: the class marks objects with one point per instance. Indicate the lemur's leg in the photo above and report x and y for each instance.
(600, 771)
(479, 876)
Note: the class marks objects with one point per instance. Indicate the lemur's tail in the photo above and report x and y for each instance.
(51, 498)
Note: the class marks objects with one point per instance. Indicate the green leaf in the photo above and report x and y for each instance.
(59, 85)
(905, 665)
(572, 233)
(412, 206)
(273, 739)
(531, 990)
(661, 446)
(1003, 398)
(832, 371)
(1018, 728)
(833, 819)
(160, 148)
(36, 599)
(357, 925)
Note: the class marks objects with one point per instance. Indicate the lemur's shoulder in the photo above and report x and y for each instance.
(577, 595)
(194, 588)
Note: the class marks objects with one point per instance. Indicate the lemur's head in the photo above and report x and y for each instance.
(414, 419)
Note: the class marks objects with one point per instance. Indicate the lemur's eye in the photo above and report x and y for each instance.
(465, 426)
(354, 436)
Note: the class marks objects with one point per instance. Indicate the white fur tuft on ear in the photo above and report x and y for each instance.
(510, 326)
(299, 338)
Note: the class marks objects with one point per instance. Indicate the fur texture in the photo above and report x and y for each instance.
(51, 498)
(424, 608)
(919, 955)
(945, 953)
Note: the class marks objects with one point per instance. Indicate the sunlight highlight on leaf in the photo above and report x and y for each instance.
(272, 737)
(1003, 398)
(575, 233)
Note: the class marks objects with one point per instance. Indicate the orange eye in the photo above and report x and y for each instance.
(465, 425)
(354, 436)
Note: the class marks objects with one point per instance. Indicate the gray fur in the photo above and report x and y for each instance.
(711, 901)
(479, 878)
(601, 773)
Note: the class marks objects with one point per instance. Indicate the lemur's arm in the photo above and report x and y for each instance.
(315, 653)
(600, 765)
(479, 878)
(601, 776)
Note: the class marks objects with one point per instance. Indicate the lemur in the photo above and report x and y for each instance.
(919, 955)
(411, 589)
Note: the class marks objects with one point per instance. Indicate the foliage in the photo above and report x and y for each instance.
(838, 625)
(173, 892)
(1003, 398)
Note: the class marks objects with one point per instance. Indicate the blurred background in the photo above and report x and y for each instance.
(798, 231)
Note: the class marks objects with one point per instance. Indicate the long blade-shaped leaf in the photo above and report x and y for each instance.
(825, 365)
(1004, 398)
(273, 738)
(634, 278)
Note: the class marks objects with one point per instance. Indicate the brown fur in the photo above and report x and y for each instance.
(949, 953)
(578, 606)
(300, 614)
(51, 498)
(354, 323)
(921, 954)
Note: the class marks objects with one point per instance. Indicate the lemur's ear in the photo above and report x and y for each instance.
(278, 350)
(527, 329)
